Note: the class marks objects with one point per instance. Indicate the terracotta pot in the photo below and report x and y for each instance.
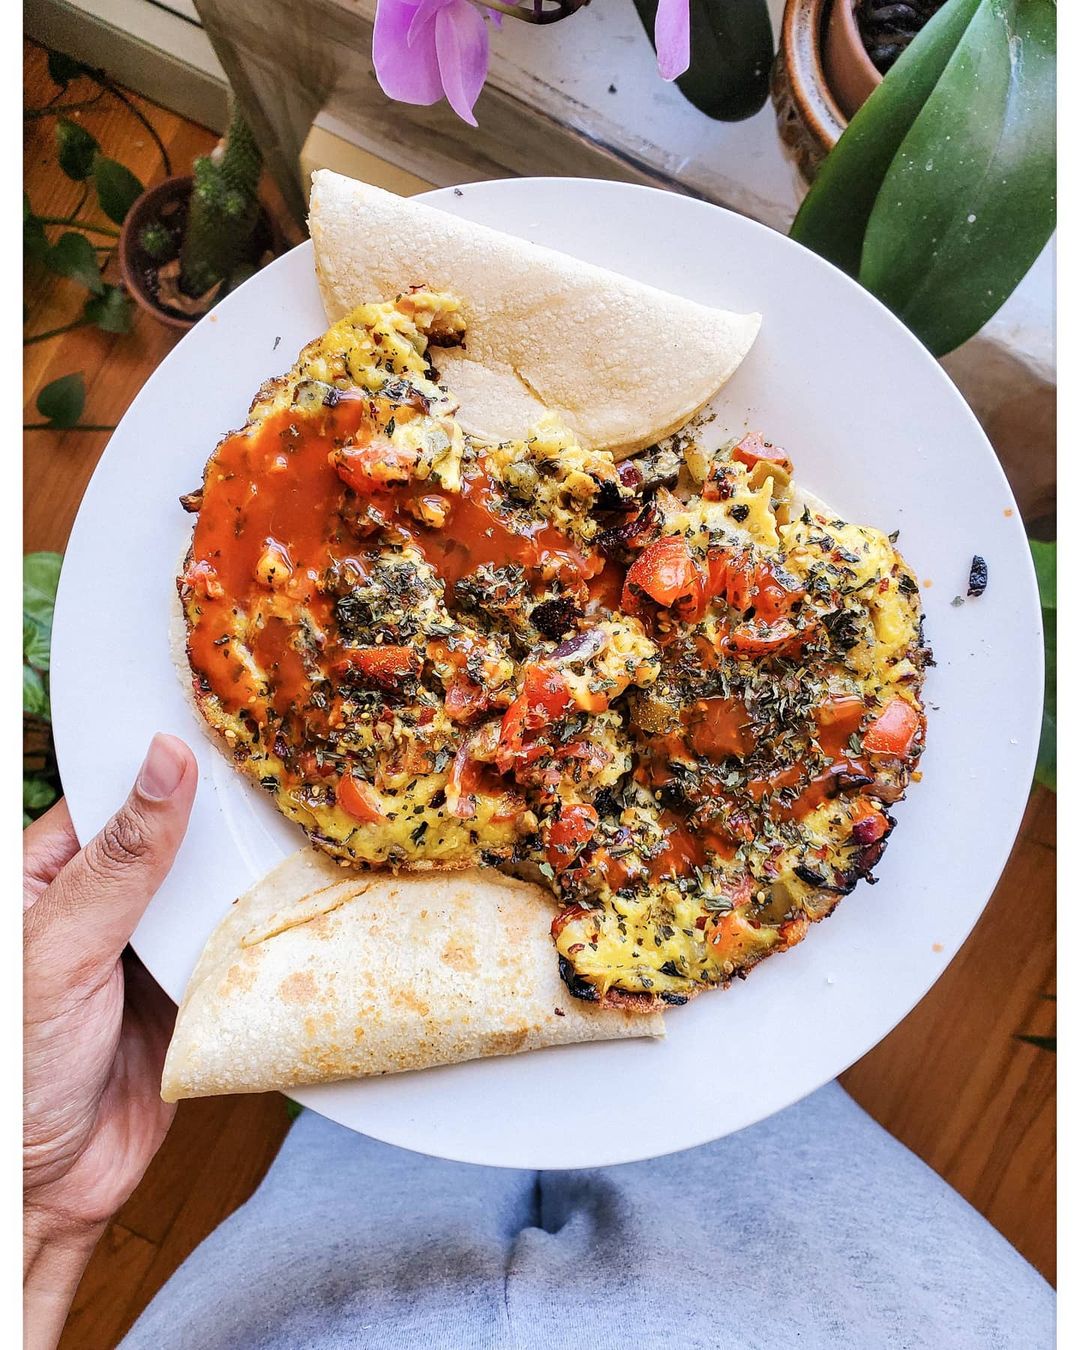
(167, 202)
(849, 72)
(809, 118)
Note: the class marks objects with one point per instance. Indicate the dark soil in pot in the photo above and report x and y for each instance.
(887, 26)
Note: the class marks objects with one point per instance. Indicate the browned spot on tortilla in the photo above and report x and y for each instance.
(310, 1029)
(299, 987)
(239, 977)
(407, 999)
(505, 1042)
(458, 956)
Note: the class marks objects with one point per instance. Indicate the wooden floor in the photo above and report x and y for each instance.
(952, 1081)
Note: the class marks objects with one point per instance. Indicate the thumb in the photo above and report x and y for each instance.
(82, 923)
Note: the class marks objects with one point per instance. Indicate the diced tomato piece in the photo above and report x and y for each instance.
(547, 696)
(569, 834)
(384, 667)
(774, 639)
(893, 730)
(729, 578)
(668, 573)
(375, 467)
(465, 699)
(544, 698)
(754, 449)
(360, 800)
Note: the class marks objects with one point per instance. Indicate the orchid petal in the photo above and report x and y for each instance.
(408, 73)
(671, 35)
(461, 43)
(423, 16)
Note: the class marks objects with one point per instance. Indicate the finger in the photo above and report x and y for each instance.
(48, 844)
(81, 924)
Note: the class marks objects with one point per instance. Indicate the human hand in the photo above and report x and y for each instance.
(95, 1027)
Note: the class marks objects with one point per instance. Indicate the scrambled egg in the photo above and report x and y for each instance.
(672, 689)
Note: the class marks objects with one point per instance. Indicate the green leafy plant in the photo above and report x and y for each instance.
(1045, 556)
(41, 573)
(82, 251)
(731, 52)
(939, 195)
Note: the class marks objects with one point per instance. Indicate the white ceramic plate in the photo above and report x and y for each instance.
(874, 427)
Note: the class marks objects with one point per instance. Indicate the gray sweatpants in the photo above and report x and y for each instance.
(814, 1229)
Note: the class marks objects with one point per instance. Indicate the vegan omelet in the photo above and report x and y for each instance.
(675, 689)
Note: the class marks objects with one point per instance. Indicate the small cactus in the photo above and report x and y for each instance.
(157, 242)
(223, 212)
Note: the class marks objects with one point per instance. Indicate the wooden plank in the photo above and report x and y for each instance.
(98, 1316)
(953, 1082)
(214, 1157)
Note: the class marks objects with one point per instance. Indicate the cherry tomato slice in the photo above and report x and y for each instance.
(569, 834)
(360, 800)
(668, 573)
(893, 730)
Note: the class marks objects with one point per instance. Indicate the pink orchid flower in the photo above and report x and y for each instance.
(424, 49)
(671, 34)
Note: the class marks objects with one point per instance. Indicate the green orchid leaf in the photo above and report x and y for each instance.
(117, 188)
(75, 149)
(1045, 558)
(73, 256)
(38, 793)
(731, 53)
(1046, 764)
(967, 204)
(63, 69)
(832, 219)
(61, 402)
(41, 575)
(112, 310)
(35, 694)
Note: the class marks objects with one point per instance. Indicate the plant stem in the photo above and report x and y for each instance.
(82, 224)
(55, 332)
(117, 92)
(77, 426)
(52, 109)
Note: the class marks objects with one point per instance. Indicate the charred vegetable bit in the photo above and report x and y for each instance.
(978, 576)
(685, 699)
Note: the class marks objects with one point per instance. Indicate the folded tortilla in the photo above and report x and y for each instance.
(318, 974)
(621, 363)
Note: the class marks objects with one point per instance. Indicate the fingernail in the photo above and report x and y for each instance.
(162, 769)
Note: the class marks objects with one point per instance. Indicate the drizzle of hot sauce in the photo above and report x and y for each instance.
(480, 532)
(273, 483)
(275, 487)
(718, 727)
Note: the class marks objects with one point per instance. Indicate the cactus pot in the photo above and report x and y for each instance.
(166, 204)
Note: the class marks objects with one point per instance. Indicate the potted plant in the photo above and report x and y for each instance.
(209, 226)
(833, 55)
(189, 240)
